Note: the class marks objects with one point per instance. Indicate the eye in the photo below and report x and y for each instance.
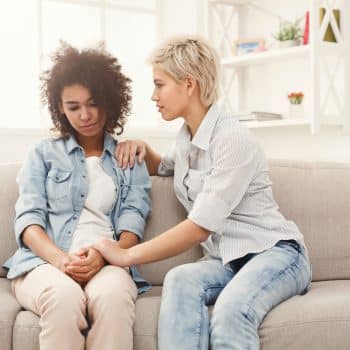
(158, 85)
(74, 108)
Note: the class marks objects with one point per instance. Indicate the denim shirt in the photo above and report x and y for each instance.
(53, 185)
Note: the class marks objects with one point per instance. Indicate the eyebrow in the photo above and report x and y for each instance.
(157, 80)
(69, 102)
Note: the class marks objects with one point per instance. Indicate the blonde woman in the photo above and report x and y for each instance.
(254, 257)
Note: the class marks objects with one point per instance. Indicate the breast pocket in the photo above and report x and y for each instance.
(57, 184)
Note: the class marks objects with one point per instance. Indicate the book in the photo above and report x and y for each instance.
(306, 28)
(257, 115)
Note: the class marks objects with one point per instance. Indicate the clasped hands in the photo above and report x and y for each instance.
(87, 262)
(82, 265)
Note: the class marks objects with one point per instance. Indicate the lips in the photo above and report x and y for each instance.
(89, 126)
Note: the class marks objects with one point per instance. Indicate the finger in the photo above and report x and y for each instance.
(83, 252)
(142, 154)
(133, 151)
(126, 155)
(120, 150)
(78, 269)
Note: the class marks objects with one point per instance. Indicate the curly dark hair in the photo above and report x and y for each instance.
(99, 72)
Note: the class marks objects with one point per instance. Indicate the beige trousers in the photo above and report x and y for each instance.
(106, 306)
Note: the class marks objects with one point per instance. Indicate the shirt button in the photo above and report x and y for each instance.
(82, 195)
(84, 176)
(57, 178)
(75, 217)
(69, 232)
(82, 160)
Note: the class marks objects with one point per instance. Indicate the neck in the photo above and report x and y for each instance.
(93, 146)
(195, 115)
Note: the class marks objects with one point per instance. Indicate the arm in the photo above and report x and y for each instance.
(170, 243)
(35, 238)
(135, 202)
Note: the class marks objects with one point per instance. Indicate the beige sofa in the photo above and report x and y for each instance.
(315, 195)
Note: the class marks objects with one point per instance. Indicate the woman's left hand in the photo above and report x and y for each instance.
(87, 267)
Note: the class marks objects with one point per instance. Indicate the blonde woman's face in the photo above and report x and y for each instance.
(171, 97)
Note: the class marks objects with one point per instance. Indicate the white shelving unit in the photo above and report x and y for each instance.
(221, 14)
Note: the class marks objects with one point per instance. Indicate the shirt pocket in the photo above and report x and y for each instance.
(57, 184)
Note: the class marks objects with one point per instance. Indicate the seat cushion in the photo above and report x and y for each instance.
(320, 319)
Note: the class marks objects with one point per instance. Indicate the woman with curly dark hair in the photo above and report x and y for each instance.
(71, 194)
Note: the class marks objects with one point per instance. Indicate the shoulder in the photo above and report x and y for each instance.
(231, 134)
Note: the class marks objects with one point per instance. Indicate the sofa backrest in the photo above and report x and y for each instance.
(314, 195)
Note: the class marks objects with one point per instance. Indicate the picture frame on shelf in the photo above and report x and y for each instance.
(245, 46)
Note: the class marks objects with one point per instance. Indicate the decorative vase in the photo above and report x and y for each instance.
(288, 43)
(296, 111)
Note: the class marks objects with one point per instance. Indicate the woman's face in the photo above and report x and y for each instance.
(82, 111)
(171, 96)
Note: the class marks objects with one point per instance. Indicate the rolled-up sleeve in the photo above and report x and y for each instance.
(136, 205)
(31, 206)
(167, 163)
(234, 167)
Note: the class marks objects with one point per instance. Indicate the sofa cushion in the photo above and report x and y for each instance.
(320, 319)
(8, 195)
(166, 212)
(9, 310)
(317, 197)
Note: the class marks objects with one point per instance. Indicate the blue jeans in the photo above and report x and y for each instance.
(242, 296)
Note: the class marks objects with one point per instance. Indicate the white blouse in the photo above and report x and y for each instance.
(94, 221)
(221, 178)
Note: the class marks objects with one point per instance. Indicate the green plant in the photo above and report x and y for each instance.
(289, 31)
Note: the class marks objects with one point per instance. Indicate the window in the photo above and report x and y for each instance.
(128, 28)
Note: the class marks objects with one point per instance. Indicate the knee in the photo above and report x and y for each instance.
(62, 300)
(234, 315)
(178, 277)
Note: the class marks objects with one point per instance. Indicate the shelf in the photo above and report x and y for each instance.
(266, 56)
(276, 123)
(229, 2)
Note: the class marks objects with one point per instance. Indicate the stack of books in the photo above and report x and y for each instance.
(257, 115)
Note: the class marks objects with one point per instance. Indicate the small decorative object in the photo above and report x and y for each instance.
(329, 34)
(289, 33)
(296, 109)
(306, 28)
(242, 47)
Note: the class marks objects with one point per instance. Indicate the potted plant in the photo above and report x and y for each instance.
(296, 109)
(289, 33)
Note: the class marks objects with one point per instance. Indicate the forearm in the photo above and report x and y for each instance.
(38, 241)
(170, 243)
(127, 240)
(152, 160)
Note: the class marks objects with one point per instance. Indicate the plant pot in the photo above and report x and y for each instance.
(296, 111)
(288, 43)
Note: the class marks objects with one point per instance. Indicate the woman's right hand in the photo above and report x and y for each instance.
(128, 150)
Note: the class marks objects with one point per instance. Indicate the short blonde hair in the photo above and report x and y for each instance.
(181, 57)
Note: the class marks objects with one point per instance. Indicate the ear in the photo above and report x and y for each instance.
(191, 85)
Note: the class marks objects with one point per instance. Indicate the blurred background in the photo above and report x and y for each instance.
(253, 81)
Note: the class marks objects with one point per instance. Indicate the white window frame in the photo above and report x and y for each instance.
(104, 6)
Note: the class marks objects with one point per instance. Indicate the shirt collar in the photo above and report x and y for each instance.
(203, 135)
(108, 144)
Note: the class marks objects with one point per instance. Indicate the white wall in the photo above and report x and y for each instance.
(185, 16)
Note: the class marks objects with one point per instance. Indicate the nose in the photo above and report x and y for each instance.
(85, 115)
(154, 96)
